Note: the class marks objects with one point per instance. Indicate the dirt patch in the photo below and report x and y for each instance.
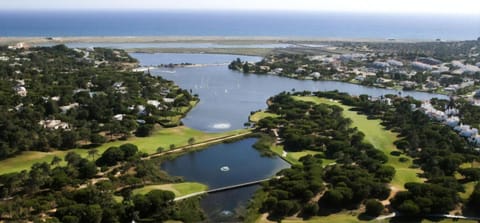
(393, 191)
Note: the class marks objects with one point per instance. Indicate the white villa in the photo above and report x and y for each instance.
(450, 117)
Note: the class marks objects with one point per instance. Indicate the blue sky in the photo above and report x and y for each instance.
(396, 6)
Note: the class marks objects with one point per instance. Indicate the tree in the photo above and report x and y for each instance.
(73, 158)
(246, 67)
(97, 139)
(160, 149)
(474, 200)
(69, 139)
(373, 207)
(172, 146)
(129, 150)
(111, 156)
(144, 130)
(409, 208)
(55, 161)
(92, 153)
(286, 208)
(86, 169)
(310, 209)
(471, 174)
(191, 141)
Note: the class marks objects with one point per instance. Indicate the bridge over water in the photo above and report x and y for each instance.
(224, 188)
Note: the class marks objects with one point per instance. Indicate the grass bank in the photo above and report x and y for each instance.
(163, 137)
(344, 217)
(255, 117)
(179, 189)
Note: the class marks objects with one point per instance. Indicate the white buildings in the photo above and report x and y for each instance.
(421, 66)
(168, 100)
(54, 124)
(155, 103)
(449, 117)
(395, 63)
(315, 75)
(21, 91)
(118, 117)
(66, 108)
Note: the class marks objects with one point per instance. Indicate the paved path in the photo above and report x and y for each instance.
(224, 188)
(203, 143)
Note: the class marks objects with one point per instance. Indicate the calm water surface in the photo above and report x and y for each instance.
(245, 164)
(239, 23)
(227, 97)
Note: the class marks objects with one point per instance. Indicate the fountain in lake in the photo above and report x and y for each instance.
(224, 168)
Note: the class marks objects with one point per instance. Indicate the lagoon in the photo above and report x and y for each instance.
(227, 97)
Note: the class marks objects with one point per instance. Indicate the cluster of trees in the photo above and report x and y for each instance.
(45, 176)
(350, 186)
(436, 149)
(359, 174)
(425, 198)
(289, 63)
(76, 192)
(70, 86)
(114, 154)
(294, 189)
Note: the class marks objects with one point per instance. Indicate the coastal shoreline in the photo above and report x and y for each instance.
(243, 40)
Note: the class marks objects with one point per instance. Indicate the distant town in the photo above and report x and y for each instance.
(450, 68)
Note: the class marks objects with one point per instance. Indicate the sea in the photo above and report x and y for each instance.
(239, 23)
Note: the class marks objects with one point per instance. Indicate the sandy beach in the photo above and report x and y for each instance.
(243, 44)
(188, 39)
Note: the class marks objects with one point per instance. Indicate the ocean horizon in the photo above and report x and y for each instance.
(239, 23)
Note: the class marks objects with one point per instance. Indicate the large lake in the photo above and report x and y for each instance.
(227, 97)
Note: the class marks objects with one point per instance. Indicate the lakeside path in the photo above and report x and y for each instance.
(187, 148)
(178, 136)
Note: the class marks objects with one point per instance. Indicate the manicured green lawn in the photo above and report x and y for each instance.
(449, 221)
(473, 164)
(180, 189)
(469, 187)
(260, 115)
(293, 157)
(343, 217)
(177, 136)
(118, 199)
(379, 137)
